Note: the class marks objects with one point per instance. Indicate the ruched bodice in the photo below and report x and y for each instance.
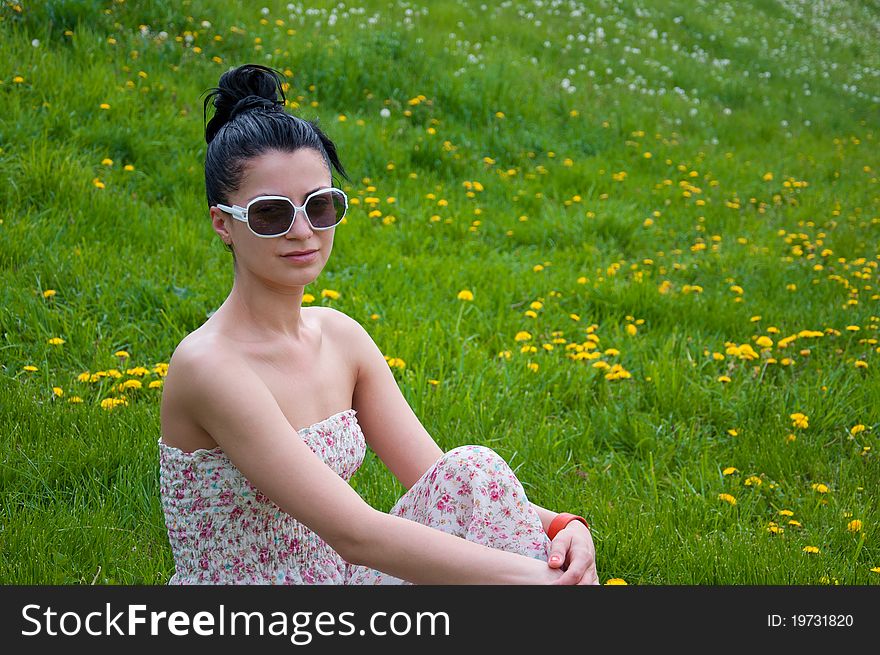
(223, 530)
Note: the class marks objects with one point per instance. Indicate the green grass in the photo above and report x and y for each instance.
(135, 265)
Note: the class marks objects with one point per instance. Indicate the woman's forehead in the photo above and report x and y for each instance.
(291, 174)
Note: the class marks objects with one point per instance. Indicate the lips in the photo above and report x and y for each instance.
(301, 252)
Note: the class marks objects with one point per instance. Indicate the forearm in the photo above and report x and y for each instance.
(424, 555)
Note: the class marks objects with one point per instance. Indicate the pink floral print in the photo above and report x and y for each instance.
(223, 530)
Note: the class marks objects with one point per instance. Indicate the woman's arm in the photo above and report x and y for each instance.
(233, 404)
(390, 427)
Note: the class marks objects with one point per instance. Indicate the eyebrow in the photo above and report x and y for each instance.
(308, 193)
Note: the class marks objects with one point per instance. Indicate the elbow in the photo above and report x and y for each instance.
(356, 543)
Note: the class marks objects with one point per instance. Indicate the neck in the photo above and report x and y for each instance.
(258, 311)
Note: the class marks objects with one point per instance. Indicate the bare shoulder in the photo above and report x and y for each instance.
(199, 358)
(351, 336)
(339, 323)
(199, 352)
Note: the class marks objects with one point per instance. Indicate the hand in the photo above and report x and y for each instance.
(572, 551)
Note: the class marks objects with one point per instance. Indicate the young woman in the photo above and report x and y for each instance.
(251, 497)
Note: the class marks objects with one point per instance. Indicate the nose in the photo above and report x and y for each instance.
(299, 228)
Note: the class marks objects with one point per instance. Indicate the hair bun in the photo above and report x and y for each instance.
(253, 102)
(250, 86)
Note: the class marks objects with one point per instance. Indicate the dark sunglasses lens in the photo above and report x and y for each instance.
(326, 209)
(270, 216)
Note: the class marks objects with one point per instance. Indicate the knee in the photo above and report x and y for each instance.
(472, 456)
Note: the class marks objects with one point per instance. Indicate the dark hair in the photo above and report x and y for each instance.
(249, 119)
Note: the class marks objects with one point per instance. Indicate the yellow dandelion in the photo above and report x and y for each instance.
(616, 581)
(58, 391)
(522, 336)
(128, 167)
(307, 297)
(854, 430)
(723, 378)
(130, 384)
(631, 329)
(533, 367)
(110, 403)
(786, 512)
(854, 526)
(106, 162)
(56, 341)
(861, 363)
(74, 399)
(730, 470)
(104, 105)
(811, 549)
(727, 498)
(155, 384)
(753, 480)
(122, 353)
(794, 523)
(733, 432)
(800, 420)
(329, 293)
(30, 368)
(876, 569)
(775, 529)
(465, 294)
(49, 293)
(820, 488)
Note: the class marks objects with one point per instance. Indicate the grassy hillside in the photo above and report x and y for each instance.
(667, 217)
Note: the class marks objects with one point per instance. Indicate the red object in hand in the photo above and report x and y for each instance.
(562, 519)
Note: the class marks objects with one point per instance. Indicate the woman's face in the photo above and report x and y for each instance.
(274, 173)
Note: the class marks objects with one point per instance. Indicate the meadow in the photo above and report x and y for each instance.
(631, 246)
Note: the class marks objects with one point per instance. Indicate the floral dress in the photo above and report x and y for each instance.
(223, 530)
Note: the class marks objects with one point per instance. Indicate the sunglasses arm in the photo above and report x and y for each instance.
(236, 212)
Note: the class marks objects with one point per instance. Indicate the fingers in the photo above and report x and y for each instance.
(577, 570)
(558, 549)
(581, 569)
(590, 577)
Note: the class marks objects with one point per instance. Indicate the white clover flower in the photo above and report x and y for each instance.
(35, 43)
(264, 11)
(384, 112)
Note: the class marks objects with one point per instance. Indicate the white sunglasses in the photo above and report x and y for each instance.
(273, 216)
